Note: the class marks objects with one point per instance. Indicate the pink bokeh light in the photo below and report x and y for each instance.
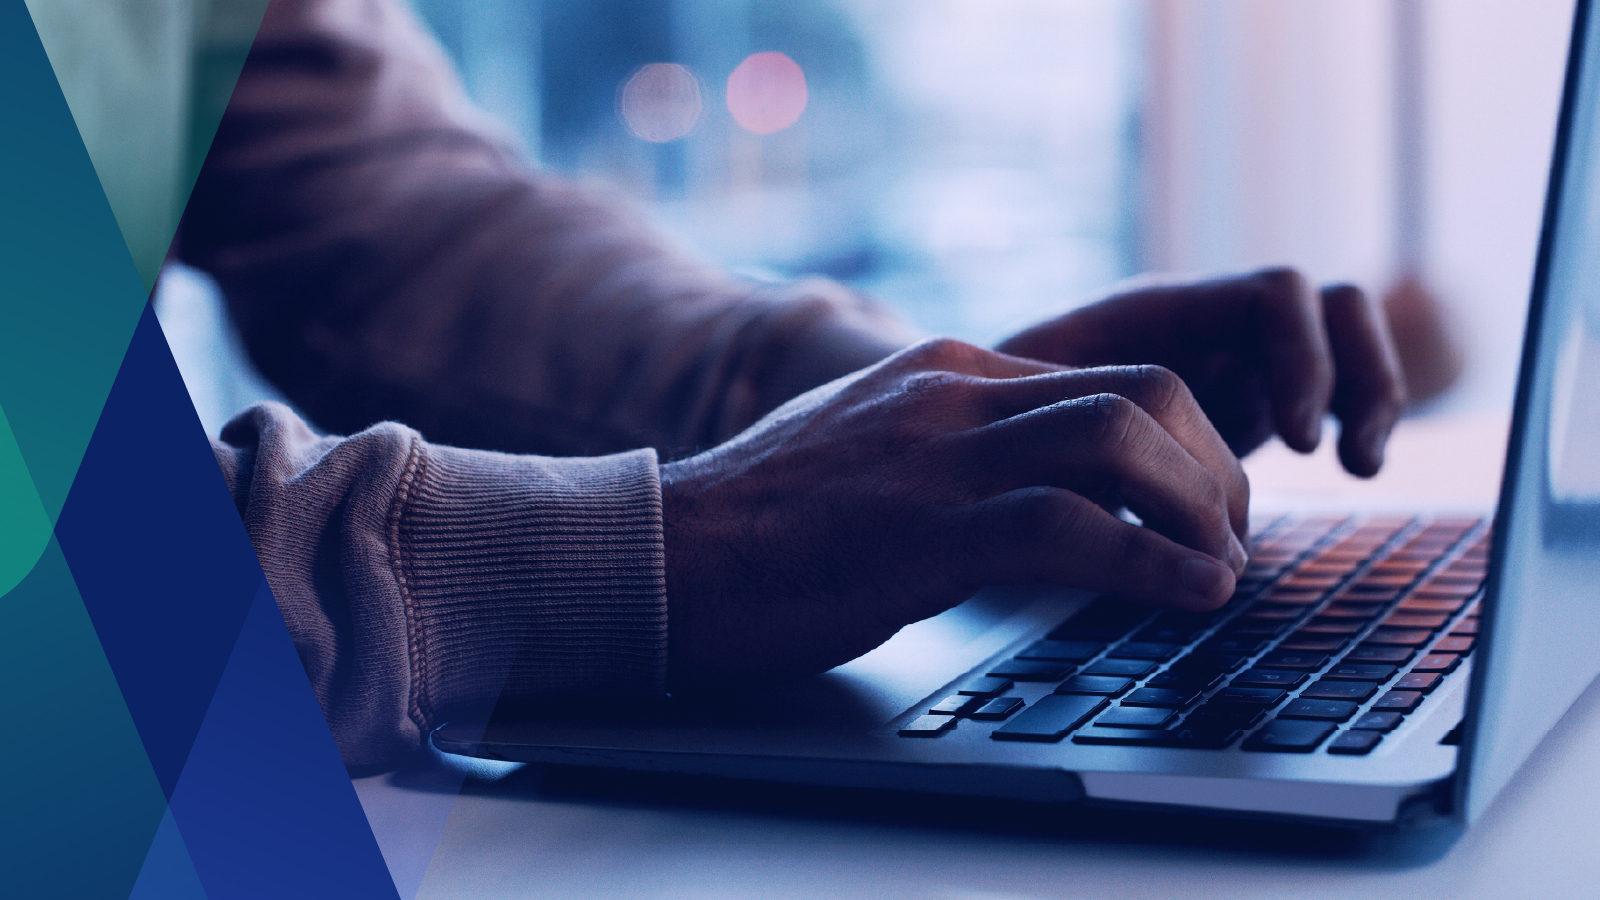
(767, 92)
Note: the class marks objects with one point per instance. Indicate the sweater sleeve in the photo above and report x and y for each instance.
(421, 581)
(387, 257)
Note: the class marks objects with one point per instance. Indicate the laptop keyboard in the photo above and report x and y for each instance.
(1338, 630)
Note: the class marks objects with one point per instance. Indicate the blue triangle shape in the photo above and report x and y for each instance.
(264, 803)
(160, 557)
(168, 873)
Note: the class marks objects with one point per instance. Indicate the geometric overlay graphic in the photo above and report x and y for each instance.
(163, 739)
(205, 665)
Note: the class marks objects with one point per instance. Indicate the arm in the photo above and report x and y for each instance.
(421, 581)
(386, 257)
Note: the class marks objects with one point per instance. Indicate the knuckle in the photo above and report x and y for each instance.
(1157, 387)
(1042, 512)
(941, 351)
(1113, 417)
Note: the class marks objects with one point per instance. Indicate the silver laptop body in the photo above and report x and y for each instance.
(1537, 646)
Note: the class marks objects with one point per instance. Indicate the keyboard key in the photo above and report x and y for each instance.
(1299, 582)
(927, 726)
(1031, 670)
(1465, 628)
(1419, 604)
(1461, 645)
(1384, 582)
(1326, 689)
(955, 705)
(1196, 682)
(1430, 621)
(1172, 698)
(986, 686)
(1400, 637)
(1313, 643)
(1272, 612)
(1296, 598)
(1293, 659)
(1325, 710)
(1283, 678)
(1171, 630)
(1064, 651)
(1209, 663)
(1258, 696)
(1050, 718)
(1289, 736)
(1437, 662)
(1231, 646)
(1375, 653)
(1378, 721)
(1182, 737)
(1323, 626)
(1355, 743)
(1125, 668)
(1347, 610)
(1361, 672)
(1098, 685)
(1249, 627)
(1144, 650)
(997, 709)
(1418, 681)
(1216, 714)
(1431, 591)
(1398, 701)
(1143, 717)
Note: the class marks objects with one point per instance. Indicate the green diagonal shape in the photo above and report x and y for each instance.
(25, 527)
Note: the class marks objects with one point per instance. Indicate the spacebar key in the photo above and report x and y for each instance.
(1183, 737)
(1050, 718)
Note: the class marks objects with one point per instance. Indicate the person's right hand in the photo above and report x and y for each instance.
(896, 492)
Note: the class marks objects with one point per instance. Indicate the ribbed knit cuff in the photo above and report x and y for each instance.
(527, 577)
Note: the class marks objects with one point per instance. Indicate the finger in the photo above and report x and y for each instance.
(1046, 534)
(1299, 362)
(1369, 390)
(1079, 444)
(1157, 391)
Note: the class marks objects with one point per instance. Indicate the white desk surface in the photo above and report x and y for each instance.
(535, 834)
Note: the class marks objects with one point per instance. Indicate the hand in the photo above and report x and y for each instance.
(896, 492)
(1263, 353)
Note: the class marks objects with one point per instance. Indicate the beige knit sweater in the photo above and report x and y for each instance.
(388, 260)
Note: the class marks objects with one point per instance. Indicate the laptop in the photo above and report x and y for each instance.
(1371, 670)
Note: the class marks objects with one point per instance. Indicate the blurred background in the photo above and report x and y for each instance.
(979, 163)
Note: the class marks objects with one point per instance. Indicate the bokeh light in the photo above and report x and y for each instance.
(660, 102)
(767, 92)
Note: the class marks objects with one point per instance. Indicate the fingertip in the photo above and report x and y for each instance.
(1208, 584)
(1305, 432)
(1362, 451)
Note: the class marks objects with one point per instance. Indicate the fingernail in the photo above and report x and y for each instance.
(1204, 579)
(1238, 557)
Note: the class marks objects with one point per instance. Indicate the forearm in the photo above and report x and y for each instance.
(420, 582)
(387, 258)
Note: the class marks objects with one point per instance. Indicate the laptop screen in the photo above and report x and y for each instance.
(1541, 643)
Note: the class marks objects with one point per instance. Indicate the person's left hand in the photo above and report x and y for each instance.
(1263, 353)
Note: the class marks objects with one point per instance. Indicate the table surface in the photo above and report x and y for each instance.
(500, 831)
